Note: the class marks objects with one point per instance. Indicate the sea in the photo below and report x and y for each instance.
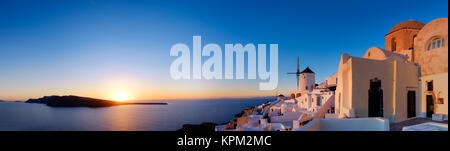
(20, 116)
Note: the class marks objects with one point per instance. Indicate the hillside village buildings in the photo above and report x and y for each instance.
(407, 79)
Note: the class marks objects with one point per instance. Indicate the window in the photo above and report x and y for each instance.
(393, 45)
(319, 101)
(435, 42)
(430, 86)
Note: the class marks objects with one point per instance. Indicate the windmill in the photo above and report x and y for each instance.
(297, 73)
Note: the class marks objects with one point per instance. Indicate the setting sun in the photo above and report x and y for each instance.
(121, 96)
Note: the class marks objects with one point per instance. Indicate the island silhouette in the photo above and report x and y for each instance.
(77, 101)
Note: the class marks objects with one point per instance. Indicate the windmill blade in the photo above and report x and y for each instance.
(297, 73)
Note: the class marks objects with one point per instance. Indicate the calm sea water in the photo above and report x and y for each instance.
(26, 116)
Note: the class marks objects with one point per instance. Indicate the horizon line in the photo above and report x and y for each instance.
(168, 99)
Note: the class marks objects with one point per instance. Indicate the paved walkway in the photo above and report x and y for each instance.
(412, 121)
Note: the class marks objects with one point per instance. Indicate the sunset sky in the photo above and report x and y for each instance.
(99, 48)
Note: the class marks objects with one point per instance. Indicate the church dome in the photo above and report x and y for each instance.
(407, 25)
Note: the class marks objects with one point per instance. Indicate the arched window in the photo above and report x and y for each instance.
(435, 42)
(393, 45)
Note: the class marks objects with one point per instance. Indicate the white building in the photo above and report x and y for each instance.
(408, 79)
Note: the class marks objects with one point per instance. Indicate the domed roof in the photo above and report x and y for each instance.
(407, 25)
(376, 53)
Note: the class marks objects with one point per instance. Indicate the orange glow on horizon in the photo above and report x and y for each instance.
(121, 97)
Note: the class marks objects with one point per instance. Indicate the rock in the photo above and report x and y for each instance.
(243, 112)
(73, 101)
(42, 100)
(231, 125)
(76, 101)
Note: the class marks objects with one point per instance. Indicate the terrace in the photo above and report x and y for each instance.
(413, 121)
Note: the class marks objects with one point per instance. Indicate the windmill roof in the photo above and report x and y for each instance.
(307, 70)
